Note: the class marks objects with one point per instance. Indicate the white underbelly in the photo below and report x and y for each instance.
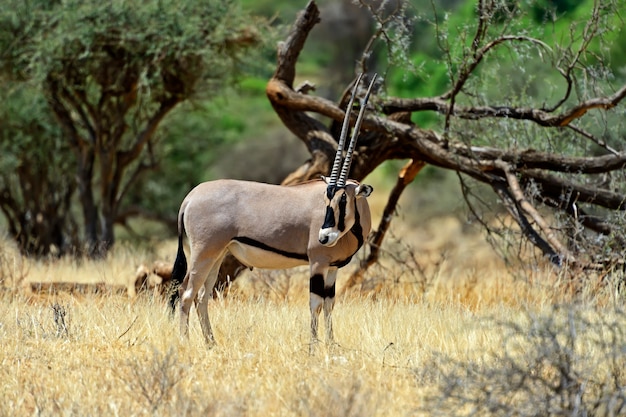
(256, 257)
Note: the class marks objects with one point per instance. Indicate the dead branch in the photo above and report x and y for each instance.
(539, 116)
(528, 208)
(520, 217)
(405, 177)
(390, 134)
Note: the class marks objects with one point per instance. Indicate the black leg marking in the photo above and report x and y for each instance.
(316, 285)
(178, 271)
(329, 292)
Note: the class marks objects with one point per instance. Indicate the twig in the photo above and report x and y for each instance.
(516, 212)
(406, 176)
(594, 139)
(128, 329)
(528, 208)
(541, 117)
(59, 313)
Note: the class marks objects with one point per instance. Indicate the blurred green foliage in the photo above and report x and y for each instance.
(198, 133)
(553, 22)
(110, 72)
(36, 172)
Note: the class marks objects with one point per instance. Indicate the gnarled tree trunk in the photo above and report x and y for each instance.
(524, 179)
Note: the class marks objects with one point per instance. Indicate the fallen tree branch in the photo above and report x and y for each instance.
(516, 212)
(533, 159)
(528, 208)
(521, 178)
(541, 117)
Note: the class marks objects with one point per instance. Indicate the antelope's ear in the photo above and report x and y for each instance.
(363, 190)
(325, 179)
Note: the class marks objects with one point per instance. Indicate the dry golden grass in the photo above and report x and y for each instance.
(400, 348)
(124, 358)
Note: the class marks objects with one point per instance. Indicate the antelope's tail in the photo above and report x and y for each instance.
(180, 265)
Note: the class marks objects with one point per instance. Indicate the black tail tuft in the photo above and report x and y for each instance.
(178, 272)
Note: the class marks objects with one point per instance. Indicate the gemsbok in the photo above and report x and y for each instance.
(321, 223)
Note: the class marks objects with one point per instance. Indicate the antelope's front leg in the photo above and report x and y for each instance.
(329, 302)
(322, 295)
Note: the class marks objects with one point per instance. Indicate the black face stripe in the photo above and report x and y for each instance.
(357, 229)
(329, 219)
(316, 285)
(330, 191)
(343, 202)
(251, 242)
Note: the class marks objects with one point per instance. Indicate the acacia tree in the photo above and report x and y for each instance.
(111, 72)
(555, 159)
(36, 182)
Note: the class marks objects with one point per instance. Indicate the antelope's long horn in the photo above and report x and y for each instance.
(355, 133)
(344, 134)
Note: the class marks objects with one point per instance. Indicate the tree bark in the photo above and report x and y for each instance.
(389, 134)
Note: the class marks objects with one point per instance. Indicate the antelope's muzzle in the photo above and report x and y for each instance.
(328, 236)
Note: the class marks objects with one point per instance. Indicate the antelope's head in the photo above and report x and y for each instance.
(341, 210)
(341, 195)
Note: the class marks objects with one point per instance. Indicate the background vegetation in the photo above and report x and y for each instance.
(212, 121)
(110, 73)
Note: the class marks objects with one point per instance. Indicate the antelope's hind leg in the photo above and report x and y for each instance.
(202, 302)
(196, 278)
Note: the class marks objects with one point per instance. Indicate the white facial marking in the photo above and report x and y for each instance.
(328, 236)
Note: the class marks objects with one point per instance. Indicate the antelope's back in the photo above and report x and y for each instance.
(226, 209)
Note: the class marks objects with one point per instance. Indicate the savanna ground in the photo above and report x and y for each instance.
(452, 330)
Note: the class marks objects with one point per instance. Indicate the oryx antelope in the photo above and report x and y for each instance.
(321, 223)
